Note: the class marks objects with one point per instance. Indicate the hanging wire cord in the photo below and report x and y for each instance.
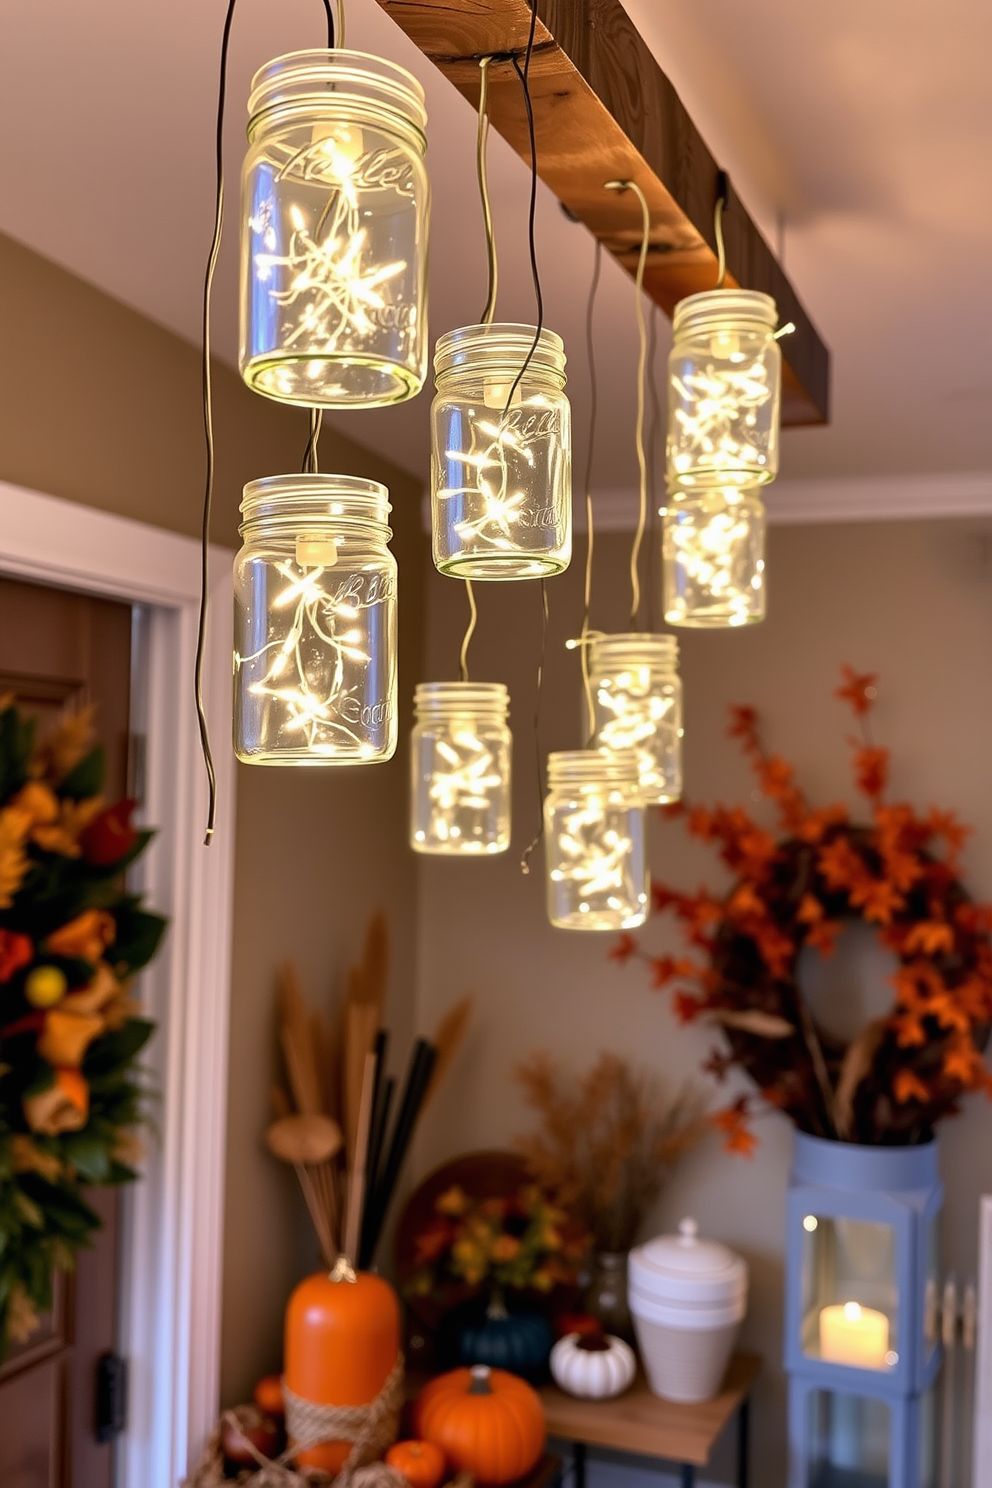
(482, 172)
(590, 451)
(208, 414)
(523, 73)
(642, 362)
(490, 310)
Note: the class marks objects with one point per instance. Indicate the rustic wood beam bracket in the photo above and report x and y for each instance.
(605, 111)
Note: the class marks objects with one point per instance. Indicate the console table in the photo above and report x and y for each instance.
(641, 1422)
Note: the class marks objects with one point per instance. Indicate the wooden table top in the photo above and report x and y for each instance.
(641, 1422)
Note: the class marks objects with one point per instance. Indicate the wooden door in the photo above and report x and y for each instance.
(59, 648)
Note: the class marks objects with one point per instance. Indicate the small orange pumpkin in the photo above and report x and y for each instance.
(487, 1422)
(420, 1462)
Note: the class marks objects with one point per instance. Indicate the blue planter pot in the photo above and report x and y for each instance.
(518, 1342)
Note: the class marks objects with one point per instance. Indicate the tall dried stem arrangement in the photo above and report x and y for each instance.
(605, 1141)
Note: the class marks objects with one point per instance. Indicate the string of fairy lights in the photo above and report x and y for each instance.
(333, 314)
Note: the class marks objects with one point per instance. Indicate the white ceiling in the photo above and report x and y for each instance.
(860, 135)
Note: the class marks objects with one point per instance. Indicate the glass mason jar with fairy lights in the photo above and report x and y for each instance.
(460, 768)
(714, 557)
(335, 204)
(501, 454)
(314, 623)
(594, 831)
(724, 391)
(637, 705)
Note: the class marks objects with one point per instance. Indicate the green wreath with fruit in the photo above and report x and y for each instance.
(71, 939)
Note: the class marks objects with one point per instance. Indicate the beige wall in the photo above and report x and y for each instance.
(100, 406)
(911, 600)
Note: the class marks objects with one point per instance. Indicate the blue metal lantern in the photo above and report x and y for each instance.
(858, 1439)
(861, 1346)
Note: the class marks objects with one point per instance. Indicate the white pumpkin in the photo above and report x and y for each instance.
(596, 1368)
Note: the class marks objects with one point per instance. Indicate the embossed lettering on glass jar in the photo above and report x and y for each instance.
(314, 623)
(501, 456)
(714, 557)
(335, 205)
(637, 704)
(597, 872)
(460, 768)
(724, 390)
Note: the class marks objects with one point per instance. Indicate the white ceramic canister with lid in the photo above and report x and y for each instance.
(687, 1297)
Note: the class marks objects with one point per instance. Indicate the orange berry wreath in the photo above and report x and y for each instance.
(71, 1094)
(896, 871)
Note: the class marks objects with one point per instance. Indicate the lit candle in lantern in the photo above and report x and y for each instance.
(855, 1335)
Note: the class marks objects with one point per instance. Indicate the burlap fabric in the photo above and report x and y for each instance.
(370, 1428)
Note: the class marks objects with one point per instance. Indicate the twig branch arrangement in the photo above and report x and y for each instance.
(332, 1124)
(605, 1141)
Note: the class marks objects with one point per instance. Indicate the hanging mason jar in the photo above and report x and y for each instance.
(597, 874)
(501, 454)
(335, 207)
(637, 704)
(314, 623)
(460, 768)
(714, 557)
(724, 390)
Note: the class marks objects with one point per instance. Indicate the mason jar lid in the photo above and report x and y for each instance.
(633, 649)
(716, 308)
(462, 698)
(505, 346)
(682, 1271)
(594, 767)
(321, 77)
(315, 498)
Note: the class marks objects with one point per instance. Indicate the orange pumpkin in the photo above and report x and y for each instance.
(341, 1342)
(486, 1421)
(420, 1462)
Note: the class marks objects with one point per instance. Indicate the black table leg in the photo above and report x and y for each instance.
(579, 1464)
(743, 1434)
(688, 1475)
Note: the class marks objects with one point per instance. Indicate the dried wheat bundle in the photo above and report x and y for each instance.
(605, 1141)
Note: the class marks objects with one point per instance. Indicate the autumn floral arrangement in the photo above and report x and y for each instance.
(70, 940)
(605, 1142)
(521, 1242)
(893, 868)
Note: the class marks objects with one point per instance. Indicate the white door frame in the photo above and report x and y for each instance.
(172, 1282)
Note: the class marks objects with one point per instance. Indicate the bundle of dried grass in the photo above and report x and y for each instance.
(331, 1118)
(605, 1141)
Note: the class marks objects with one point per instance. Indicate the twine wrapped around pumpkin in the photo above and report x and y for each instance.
(371, 1429)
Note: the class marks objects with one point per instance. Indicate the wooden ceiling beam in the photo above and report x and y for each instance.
(605, 111)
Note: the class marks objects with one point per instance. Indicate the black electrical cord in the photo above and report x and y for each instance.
(523, 73)
(208, 414)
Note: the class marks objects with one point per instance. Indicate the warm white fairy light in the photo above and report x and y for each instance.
(724, 393)
(328, 276)
(718, 429)
(594, 841)
(501, 507)
(334, 232)
(313, 647)
(636, 714)
(594, 855)
(461, 785)
(460, 757)
(714, 558)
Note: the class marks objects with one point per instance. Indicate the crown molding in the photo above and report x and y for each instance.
(882, 498)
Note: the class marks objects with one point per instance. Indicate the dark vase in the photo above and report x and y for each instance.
(518, 1342)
